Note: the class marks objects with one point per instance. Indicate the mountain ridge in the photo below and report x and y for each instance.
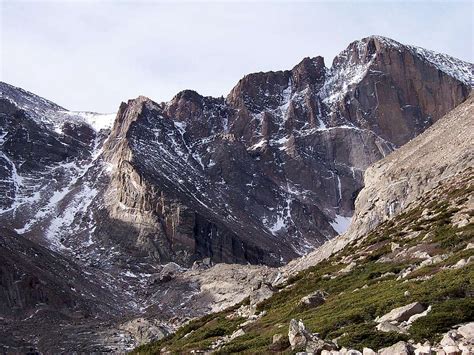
(262, 177)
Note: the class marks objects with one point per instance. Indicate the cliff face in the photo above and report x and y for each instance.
(443, 151)
(402, 89)
(264, 175)
(273, 170)
(440, 157)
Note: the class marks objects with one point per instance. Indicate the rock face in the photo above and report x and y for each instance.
(297, 335)
(40, 286)
(404, 177)
(262, 176)
(271, 171)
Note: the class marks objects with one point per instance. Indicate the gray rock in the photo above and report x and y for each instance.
(400, 348)
(297, 335)
(401, 314)
(262, 293)
(277, 338)
(424, 349)
(389, 327)
(316, 345)
(452, 350)
(169, 271)
(314, 299)
(467, 331)
(238, 333)
(145, 330)
(449, 339)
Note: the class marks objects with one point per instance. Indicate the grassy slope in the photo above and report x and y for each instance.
(358, 297)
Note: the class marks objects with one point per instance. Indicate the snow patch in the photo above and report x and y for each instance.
(98, 121)
(341, 224)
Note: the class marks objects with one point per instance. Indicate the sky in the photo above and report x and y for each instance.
(92, 55)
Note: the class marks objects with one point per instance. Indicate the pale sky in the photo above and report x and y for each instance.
(91, 55)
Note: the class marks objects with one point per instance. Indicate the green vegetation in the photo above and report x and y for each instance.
(369, 290)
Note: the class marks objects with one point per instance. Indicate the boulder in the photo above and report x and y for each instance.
(168, 272)
(145, 330)
(417, 316)
(238, 333)
(401, 314)
(452, 350)
(316, 345)
(368, 351)
(466, 348)
(279, 343)
(314, 299)
(467, 331)
(389, 327)
(400, 348)
(347, 269)
(449, 339)
(297, 335)
(460, 264)
(424, 349)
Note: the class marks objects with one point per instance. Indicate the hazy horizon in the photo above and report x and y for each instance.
(91, 55)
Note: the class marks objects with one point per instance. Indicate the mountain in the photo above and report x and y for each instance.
(144, 201)
(272, 171)
(400, 281)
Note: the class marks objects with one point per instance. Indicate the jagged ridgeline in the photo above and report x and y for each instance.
(262, 176)
(136, 212)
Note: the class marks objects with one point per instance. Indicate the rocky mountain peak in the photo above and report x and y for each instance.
(235, 179)
(309, 72)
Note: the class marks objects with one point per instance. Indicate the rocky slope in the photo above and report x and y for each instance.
(401, 285)
(262, 176)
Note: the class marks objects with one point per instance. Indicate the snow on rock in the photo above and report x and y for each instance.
(461, 70)
(97, 121)
(458, 69)
(341, 224)
(340, 78)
